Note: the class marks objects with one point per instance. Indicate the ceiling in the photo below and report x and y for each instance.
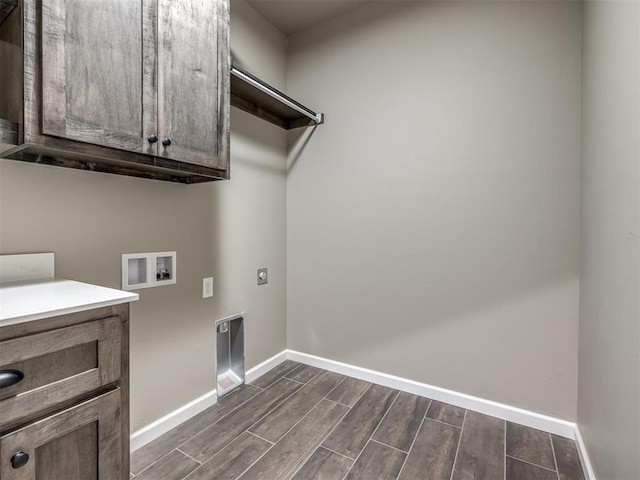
(292, 16)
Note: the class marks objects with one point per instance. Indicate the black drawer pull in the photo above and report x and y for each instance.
(19, 459)
(10, 377)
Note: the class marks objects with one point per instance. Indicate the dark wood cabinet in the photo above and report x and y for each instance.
(129, 87)
(79, 443)
(68, 418)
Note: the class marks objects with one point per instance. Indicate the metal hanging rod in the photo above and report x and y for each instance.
(264, 87)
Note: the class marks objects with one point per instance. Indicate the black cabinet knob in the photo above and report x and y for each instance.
(166, 142)
(19, 459)
(10, 377)
(152, 138)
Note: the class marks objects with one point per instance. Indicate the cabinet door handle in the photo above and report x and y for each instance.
(166, 142)
(152, 138)
(19, 459)
(10, 377)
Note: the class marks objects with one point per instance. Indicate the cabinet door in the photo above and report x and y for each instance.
(99, 72)
(80, 443)
(193, 81)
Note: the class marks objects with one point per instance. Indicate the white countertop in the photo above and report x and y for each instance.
(36, 299)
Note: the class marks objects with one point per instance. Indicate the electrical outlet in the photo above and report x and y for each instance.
(207, 287)
(263, 276)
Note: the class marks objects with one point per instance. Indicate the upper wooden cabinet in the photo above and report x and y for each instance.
(122, 86)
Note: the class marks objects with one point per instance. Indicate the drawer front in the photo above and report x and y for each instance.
(58, 366)
(80, 443)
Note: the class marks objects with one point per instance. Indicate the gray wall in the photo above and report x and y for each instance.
(609, 365)
(433, 221)
(223, 229)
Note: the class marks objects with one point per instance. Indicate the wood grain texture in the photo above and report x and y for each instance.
(273, 426)
(289, 454)
(77, 448)
(349, 391)
(154, 450)
(211, 440)
(517, 470)
(64, 429)
(324, 465)
(400, 425)
(276, 374)
(88, 96)
(530, 445)
(443, 412)
(6, 7)
(351, 436)
(481, 450)
(223, 86)
(110, 139)
(11, 76)
(569, 466)
(303, 373)
(175, 466)
(377, 461)
(188, 81)
(432, 455)
(232, 460)
(51, 388)
(68, 362)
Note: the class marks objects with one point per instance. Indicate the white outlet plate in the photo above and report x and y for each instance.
(207, 287)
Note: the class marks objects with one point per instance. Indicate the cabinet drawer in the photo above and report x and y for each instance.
(58, 366)
(80, 443)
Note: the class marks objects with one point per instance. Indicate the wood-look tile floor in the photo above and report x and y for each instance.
(300, 422)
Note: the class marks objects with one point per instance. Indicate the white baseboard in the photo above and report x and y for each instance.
(500, 410)
(587, 468)
(172, 419)
(259, 370)
(488, 407)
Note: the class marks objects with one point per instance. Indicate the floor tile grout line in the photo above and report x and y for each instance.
(390, 446)
(385, 415)
(196, 434)
(414, 439)
(504, 458)
(373, 433)
(277, 378)
(440, 421)
(555, 459)
(199, 431)
(159, 460)
(356, 459)
(299, 368)
(258, 436)
(189, 456)
(284, 435)
(294, 381)
(530, 463)
(337, 453)
(455, 458)
(344, 377)
(268, 412)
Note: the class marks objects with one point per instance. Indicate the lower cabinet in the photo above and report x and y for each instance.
(81, 442)
(64, 397)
